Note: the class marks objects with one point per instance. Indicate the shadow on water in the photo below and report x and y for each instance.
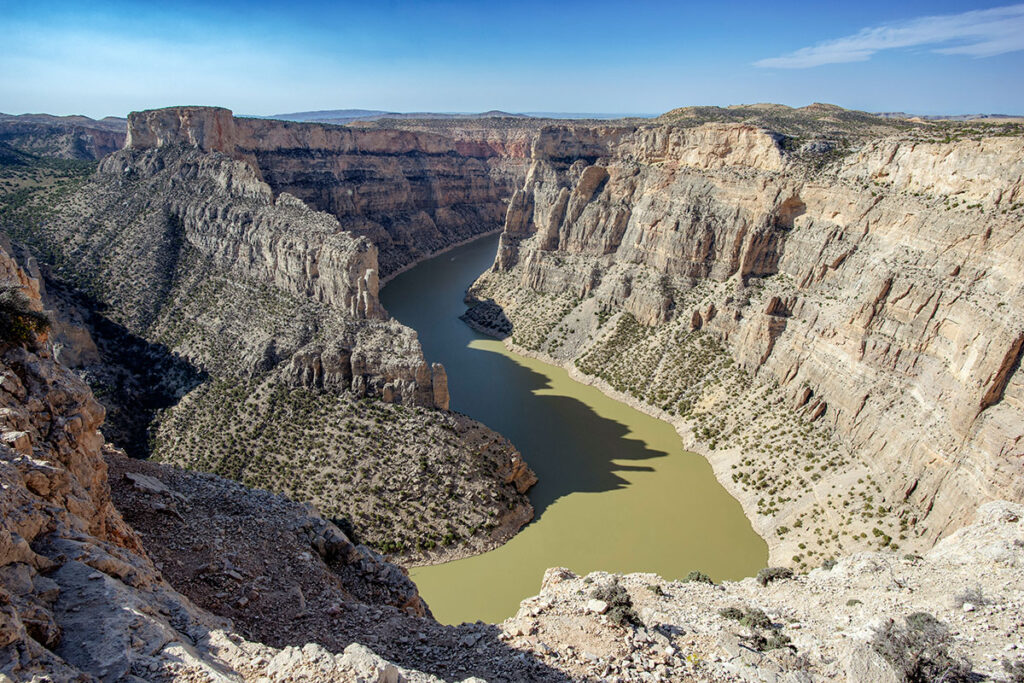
(569, 446)
(616, 490)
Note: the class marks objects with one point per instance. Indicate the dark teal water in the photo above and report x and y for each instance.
(616, 490)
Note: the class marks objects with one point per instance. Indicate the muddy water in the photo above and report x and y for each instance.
(617, 492)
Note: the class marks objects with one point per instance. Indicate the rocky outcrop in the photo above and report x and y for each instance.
(880, 290)
(832, 624)
(63, 137)
(188, 248)
(412, 193)
(210, 582)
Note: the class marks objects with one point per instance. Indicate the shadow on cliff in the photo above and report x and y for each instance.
(133, 378)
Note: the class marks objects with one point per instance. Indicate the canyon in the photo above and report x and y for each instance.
(842, 341)
(823, 303)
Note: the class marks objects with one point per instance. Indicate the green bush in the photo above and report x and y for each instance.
(698, 577)
(769, 574)
(920, 651)
(734, 613)
(755, 618)
(620, 606)
(19, 324)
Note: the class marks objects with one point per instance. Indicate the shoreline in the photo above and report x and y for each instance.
(409, 266)
(720, 464)
(511, 524)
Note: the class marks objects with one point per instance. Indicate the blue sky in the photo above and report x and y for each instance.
(102, 59)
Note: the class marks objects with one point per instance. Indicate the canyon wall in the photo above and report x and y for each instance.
(63, 137)
(208, 581)
(412, 193)
(215, 318)
(117, 569)
(193, 251)
(880, 291)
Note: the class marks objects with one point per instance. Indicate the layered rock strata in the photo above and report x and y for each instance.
(876, 296)
(183, 288)
(412, 193)
(63, 137)
(192, 250)
(210, 581)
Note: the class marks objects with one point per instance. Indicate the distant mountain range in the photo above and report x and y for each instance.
(349, 115)
(947, 117)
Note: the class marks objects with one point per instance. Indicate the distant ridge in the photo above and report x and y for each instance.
(341, 116)
(349, 115)
(947, 117)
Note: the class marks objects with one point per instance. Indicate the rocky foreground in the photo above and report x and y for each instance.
(121, 570)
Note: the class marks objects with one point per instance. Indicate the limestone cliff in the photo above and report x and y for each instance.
(215, 319)
(63, 137)
(193, 251)
(411, 193)
(210, 582)
(878, 289)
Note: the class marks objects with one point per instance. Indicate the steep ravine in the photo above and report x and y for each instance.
(842, 342)
(411, 193)
(217, 319)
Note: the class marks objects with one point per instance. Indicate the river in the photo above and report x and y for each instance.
(617, 492)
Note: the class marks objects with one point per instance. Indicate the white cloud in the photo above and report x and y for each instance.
(979, 33)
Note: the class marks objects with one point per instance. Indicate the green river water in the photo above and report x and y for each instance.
(617, 492)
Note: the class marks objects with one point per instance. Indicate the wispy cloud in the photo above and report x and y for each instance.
(979, 33)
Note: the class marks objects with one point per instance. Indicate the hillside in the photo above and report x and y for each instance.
(836, 329)
(211, 316)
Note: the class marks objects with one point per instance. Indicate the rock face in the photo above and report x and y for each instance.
(411, 193)
(827, 625)
(64, 137)
(81, 597)
(880, 288)
(216, 318)
(192, 249)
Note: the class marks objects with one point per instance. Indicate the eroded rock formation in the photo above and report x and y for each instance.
(411, 193)
(881, 291)
(64, 137)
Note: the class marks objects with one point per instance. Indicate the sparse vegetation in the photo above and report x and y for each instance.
(770, 574)
(920, 650)
(698, 577)
(19, 324)
(620, 606)
(408, 480)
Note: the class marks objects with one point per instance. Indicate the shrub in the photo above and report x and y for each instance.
(751, 617)
(920, 651)
(19, 324)
(971, 595)
(1014, 670)
(734, 613)
(769, 574)
(620, 606)
(829, 564)
(772, 641)
(698, 577)
(755, 618)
